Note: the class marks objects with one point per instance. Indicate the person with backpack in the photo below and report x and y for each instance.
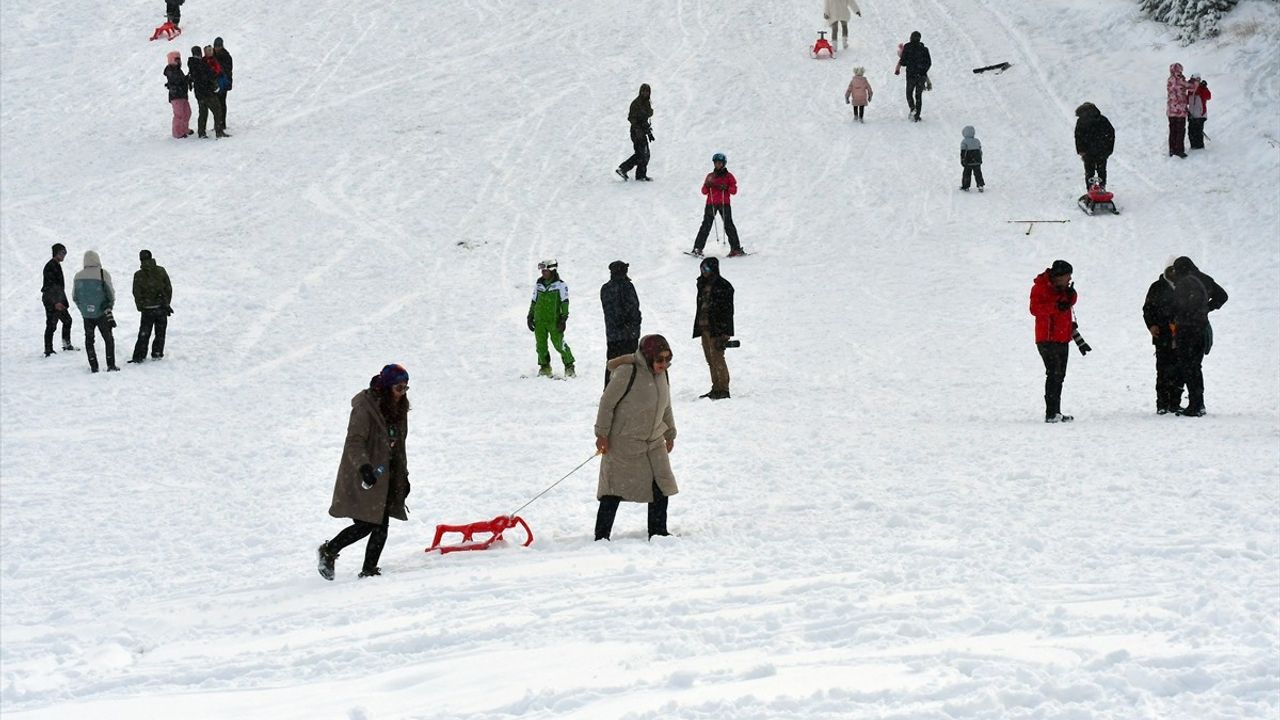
(218, 99)
(635, 433)
(1195, 295)
(152, 294)
(53, 294)
(713, 323)
(621, 309)
(548, 316)
(1095, 141)
(177, 84)
(1052, 300)
(1197, 112)
(95, 296)
(203, 86)
(970, 159)
(858, 94)
(639, 116)
(915, 58)
(719, 185)
(837, 12)
(227, 64)
(373, 474)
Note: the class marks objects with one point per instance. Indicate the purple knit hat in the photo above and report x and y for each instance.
(392, 375)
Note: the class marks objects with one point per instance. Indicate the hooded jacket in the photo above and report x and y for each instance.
(1052, 324)
(1198, 107)
(91, 290)
(858, 92)
(371, 440)
(151, 287)
(970, 148)
(1158, 310)
(621, 306)
(201, 78)
(641, 110)
(1179, 92)
(1095, 138)
(1195, 295)
(719, 293)
(915, 58)
(550, 300)
(53, 289)
(635, 415)
(175, 80)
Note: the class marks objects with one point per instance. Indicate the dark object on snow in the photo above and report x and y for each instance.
(730, 343)
(1032, 223)
(998, 67)
(1079, 339)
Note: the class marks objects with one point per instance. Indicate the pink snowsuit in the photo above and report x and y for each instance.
(1179, 94)
(859, 92)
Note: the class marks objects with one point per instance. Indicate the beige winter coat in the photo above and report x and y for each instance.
(638, 426)
(839, 10)
(368, 441)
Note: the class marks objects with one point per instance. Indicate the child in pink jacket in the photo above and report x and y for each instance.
(859, 93)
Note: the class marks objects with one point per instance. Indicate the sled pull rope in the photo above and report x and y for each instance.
(550, 487)
(1032, 223)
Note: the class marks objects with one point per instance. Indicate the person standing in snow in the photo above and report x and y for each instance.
(621, 309)
(970, 159)
(858, 94)
(837, 12)
(1095, 140)
(1179, 91)
(225, 61)
(220, 84)
(639, 116)
(203, 86)
(548, 316)
(177, 84)
(635, 433)
(1052, 298)
(713, 322)
(53, 294)
(95, 296)
(173, 11)
(719, 185)
(1195, 295)
(1158, 315)
(373, 474)
(1197, 112)
(915, 58)
(152, 294)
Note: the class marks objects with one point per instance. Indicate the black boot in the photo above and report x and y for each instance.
(605, 515)
(325, 560)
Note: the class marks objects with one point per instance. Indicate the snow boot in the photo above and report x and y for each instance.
(646, 178)
(569, 372)
(370, 573)
(544, 371)
(325, 560)
(1059, 418)
(47, 353)
(70, 347)
(737, 253)
(622, 174)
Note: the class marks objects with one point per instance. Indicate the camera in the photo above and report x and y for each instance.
(1080, 341)
(730, 344)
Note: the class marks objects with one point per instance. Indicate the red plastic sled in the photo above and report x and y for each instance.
(168, 31)
(494, 527)
(822, 44)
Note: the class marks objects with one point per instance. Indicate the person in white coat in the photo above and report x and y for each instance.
(837, 12)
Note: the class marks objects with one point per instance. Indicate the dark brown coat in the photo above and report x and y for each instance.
(368, 442)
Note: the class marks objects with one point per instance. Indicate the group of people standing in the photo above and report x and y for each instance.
(1187, 105)
(209, 76)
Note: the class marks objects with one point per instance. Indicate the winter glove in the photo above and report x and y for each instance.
(560, 324)
(529, 321)
(367, 477)
(928, 84)
(168, 309)
(825, 16)
(1071, 294)
(650, 134)
(859, 14)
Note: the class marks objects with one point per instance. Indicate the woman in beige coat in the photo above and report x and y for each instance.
(373, 477)
(634, 432)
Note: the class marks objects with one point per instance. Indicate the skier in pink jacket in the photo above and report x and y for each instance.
(1179, 90)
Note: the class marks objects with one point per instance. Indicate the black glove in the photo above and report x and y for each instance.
(650, 136)
(560, 324)
(1071, 294)
(529, 321)
(367, 477)
(407, 488)
(1064, 305)
(168, 309)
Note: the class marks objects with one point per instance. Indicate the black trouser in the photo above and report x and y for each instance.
(1094, 166)
(205, 105)
(103, 326)
(158, 319)
(1055, 356)
(358, 529)
(971, 171)
(640, 157)
(609, 510)
(1190, 352)
(1168, 387)
(708, 216)
(223, 98)
(51, 318)
(219, 106)
(915, 92)
(1195, 133)
(858, 110)
(1177, 135)
(618, 348)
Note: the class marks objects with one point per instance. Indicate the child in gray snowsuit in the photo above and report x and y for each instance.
(970, 159)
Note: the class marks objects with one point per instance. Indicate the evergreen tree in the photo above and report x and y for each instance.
(1194, 19)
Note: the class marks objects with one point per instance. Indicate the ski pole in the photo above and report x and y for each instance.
(544, 492)
(715, 217)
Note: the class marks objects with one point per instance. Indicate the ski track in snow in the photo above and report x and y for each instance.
(875, 526)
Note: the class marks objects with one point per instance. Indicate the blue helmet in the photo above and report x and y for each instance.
(718, 157)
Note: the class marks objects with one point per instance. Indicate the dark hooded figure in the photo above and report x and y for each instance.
(224, 59)
(639, 115)
(1157, 314)
(713, 322)
(203, 86)
(916, 60)
(621, 309)
(1095, 140)
(1195, 295)
(152, 295)
(173, 11)
(53, 294)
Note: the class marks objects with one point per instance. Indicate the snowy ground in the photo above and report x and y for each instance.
(876, 526)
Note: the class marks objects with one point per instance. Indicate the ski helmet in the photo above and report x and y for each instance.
(548, 265)
(718, 157)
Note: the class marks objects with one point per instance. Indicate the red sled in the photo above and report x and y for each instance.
(822, 44)
(494, 527)
(168, 31)
(1098, 199)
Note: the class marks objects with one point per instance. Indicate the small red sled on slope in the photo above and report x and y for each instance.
(168, 31)
(1098, 199)
(822, 44)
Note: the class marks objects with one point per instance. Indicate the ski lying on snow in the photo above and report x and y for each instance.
(726, 257)
(998, 67)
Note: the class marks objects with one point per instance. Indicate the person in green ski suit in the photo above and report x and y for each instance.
(548, 313)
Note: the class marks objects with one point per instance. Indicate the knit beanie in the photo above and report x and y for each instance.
(1060, 268)
(651, 346)
(392, 375)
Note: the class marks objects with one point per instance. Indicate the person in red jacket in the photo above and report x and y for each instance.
(1052, 297)
(718, 186)
(1197, 111)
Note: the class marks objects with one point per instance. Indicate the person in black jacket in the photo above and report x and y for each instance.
(177, 83)
(621, 314)
(1095, 140)
(53, 293)
(1195, 295)
(218, 102)
(915, 58)
(1157, 314)
(641, 135)
(713, 322)
(224, 59)
(202, 84)
(173, 11)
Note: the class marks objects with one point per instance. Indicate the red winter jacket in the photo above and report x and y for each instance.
(718, 188)
(1052, 324)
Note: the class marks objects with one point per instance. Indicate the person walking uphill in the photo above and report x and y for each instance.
(1179, 91)
(970, 159)
(719, 185)
(1195, 295)
(635, 432)
(639, 115)
(837, 12)
(621, 314)
(548, 316)
(915, 58)
(95, 296)
(152, 294)
(373, 474)
(713, 322)
(53, 294)
(1052, 298)
(1095, 140)
(858, 94)
(177, 84)
(1197, 112)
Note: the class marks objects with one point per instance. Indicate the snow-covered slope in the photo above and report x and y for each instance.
(876, 525)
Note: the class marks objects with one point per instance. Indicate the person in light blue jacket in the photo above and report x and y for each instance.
(970, 159)
(95, 296)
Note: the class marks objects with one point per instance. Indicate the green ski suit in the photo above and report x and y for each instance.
(548, 313)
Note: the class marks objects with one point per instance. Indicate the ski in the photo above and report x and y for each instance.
(998, 67)
(726, 257)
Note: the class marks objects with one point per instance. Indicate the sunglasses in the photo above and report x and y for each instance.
(401, 388)
(664, 359)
